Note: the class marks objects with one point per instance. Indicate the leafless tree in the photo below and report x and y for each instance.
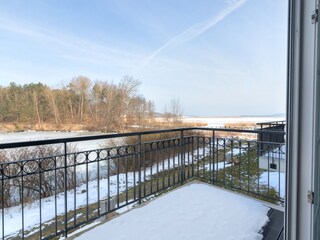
(80, 86)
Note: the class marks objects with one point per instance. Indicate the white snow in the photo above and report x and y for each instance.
(216, 166)
(13, 219)
(274, 178)
(87, 226)
(196, 211)
(44, 135)
(277, 153)
(236, 151)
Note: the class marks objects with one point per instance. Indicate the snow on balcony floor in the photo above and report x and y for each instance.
(194, 211)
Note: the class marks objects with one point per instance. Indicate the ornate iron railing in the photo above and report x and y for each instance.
(50, 187)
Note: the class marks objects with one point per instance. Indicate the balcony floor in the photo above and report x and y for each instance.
(274, 229)
(193, 211)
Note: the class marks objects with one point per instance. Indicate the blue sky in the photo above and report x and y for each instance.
(219, 57)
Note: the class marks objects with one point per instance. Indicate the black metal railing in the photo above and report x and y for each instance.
(50, 187)
(268, 136)
(272, 124)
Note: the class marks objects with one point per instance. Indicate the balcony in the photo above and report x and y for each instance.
(52, 187)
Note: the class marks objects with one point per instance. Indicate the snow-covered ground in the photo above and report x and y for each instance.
(13, 220)
(217, 122)
(277, 153)
(276, 180)
(196, 211)
(43, 135)
(236, 151)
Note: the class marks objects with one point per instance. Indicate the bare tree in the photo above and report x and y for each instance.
(97, 96)
(101, 105)
(41, 178)
(175, 112)
(80, 85)
(34, 97)
(52, 102)
(176, 109)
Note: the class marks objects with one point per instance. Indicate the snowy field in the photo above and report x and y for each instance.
(196, 211)
(43, 135)
(276, 180)
(219, 122)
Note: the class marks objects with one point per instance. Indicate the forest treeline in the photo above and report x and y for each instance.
(97, 105)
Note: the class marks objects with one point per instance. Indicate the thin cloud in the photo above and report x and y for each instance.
(72, 47)
(197, 29)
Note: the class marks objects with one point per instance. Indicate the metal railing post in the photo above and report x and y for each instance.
(213, 162)
(65, 191)
(182, 177)
(192, 149)
(2, 201)
(139, 163)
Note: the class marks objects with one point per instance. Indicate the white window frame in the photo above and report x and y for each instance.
(300, 119)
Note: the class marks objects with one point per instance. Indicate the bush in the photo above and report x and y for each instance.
(34, 172)
(155, 148)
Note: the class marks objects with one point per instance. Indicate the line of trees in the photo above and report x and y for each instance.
(101, 105)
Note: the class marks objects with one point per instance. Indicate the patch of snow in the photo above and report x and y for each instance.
(87, 226)
(196, 211)
(44, 135)
(277, 153)
(236, 152)
(274, 178)
(126, 208)
(216, 166)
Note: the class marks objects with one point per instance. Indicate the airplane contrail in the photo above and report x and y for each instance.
(196, 29)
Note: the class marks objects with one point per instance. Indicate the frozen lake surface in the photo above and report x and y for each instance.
(43, 135)
(210, 122)
(218, 122)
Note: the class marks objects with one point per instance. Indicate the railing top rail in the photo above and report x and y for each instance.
(272, 122)
(118, 135)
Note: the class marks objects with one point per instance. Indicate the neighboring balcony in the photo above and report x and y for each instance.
(273, 153)
(50, 188)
